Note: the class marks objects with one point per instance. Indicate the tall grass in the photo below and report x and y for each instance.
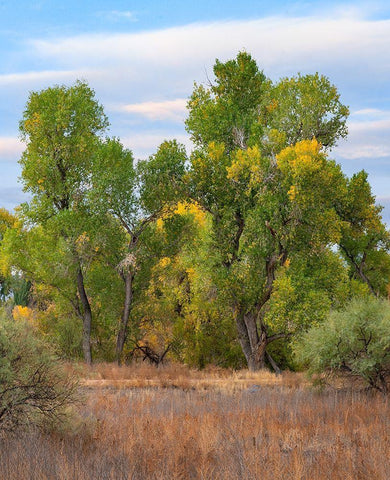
(175, 430)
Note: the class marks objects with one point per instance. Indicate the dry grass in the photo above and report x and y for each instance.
(244, 427)
(144, 375)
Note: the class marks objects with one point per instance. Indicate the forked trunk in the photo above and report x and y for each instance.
(252, 343)
(254, 340)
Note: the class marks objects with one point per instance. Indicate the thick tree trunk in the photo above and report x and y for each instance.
(252, 344)
(87, 317)
(122, 333)
(254, 340)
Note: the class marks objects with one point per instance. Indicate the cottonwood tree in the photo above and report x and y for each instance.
(267, 200)
(136, 195)
(61, 127)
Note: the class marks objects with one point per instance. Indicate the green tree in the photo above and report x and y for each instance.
(306, 107)
(61, 128)
(266, 203)
(136, 197)
(365, 242)
(354, 341)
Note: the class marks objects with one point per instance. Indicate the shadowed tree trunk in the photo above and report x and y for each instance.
(87, 317)
(122, 333)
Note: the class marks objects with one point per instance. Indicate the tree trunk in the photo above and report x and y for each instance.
(254, 340)
(252, 344)
(87, 317)
(122, 333)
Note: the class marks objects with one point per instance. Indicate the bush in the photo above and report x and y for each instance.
(354, 341)
(34, 387)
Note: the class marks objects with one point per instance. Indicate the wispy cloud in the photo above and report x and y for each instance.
(369, 135)
(145, 144)
(278, 42)
(117, 15)
(165, 110)
(46, 76)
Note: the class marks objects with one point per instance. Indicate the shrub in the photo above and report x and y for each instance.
(34, 388)
(355, 341)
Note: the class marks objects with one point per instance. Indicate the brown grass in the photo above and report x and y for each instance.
(178, 424)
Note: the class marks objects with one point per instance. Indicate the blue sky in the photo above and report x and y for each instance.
(142, 57)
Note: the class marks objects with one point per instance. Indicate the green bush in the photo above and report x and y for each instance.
(354, 341)
(34, 387)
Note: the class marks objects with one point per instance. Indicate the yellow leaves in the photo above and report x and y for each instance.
(302, 158)
(164, 262)
(184, 208)
(272, 106)
(33, 123)
(7, 220)
(191, 273)
(82, 239)
(292, 192)
(246, 163)
(159, 224)
(192, 208)
(216, 150)
(20, 313)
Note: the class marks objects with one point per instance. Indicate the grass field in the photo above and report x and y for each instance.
(173, 423)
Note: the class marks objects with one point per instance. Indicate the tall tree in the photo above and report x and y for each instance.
(61, 127)
(136, 196)
(267, 200)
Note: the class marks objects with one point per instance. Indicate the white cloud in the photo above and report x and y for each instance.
(115, 15)
(369, 136)
(46, 76)
(10, 148)
(165, 110)
(145, 144)
(374, 112)
(278, 42)
(354, 151)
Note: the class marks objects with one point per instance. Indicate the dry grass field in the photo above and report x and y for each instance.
(172, 423)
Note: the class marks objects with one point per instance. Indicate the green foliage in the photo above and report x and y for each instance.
(61, 126)
(184, 252)
(229, 111)
(306, 107)
(34, 388)
(365, 241)
(354, 341)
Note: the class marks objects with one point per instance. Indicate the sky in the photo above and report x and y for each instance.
(142, 58)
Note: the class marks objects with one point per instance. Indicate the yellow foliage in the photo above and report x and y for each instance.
(165, 261)
(292, 192)
(190, 272)
(272, 106)
(22, 313)
(82, 239)
(246, 163)
(301, 158)
(159, 224)
(7, 220)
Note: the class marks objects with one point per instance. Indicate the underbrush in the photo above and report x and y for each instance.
(261, 431)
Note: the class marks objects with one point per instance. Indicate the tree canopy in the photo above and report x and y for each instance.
(226, 254)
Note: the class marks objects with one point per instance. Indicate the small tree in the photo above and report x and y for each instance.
(34, 388)
(354, 341)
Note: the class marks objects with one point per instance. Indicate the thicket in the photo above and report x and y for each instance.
(34, 386)
(224, 255)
